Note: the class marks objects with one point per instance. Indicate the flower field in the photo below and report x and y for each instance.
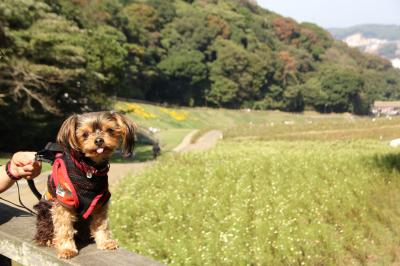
(259, 202)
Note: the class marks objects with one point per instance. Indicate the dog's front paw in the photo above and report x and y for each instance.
(66, 253)
(108, 244)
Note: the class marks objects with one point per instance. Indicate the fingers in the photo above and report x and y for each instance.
(21, 172)
(33, 174)
(32, 167)
(36, 171)
(29, 177)
(30, 171)
(23, 164)
(27, 168)
(23, 158)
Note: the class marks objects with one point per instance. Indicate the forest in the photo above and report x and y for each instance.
(60, 57)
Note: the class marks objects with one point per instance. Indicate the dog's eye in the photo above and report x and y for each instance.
(110, 130)
(85, 135)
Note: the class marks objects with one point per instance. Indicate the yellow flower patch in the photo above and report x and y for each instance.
(135, 109)
(179, 116)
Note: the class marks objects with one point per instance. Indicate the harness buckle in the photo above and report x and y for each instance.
(42, 158)
(48, 154)
(89, 174)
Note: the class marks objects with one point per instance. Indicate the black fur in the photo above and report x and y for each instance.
(44, 223)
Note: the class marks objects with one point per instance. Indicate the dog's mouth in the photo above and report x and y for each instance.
(100, 150)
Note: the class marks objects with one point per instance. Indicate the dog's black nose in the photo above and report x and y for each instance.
(99, 141)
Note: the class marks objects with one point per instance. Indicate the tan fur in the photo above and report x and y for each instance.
(64, 231)
(80, 132)
(66, 135)
(109, 126)
(128, 129)
(100, 231)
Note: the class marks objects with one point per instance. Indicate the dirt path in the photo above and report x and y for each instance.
(205, 142)
(117, 170)
(185, 142)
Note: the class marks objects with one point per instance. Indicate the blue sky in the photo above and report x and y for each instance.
(337, 13)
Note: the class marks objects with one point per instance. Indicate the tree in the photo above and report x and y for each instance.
(293, 99)
(193, 31)
(335, 89)
(286, 29)
(289, 68)
(186, 75)
(247, 70)
(106, 53)
(45, 76)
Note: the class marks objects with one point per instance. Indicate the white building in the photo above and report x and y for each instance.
(386, 108)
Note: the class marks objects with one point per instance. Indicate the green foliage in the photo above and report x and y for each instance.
(341, 86)
(166, 10)
(186, 74)
(67, 56)
(86, 13)
(315, 39)
(191, 31)
(20, 14)
(106, 53)
(237, 75)
(186, 65)
(223, 92)
(293, 99)
(264, 203)
(45, 77)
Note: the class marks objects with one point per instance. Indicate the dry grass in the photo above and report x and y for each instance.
(321, 129)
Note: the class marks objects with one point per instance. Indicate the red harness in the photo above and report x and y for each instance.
(77, 185)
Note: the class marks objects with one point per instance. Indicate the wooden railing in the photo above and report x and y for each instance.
(16, 244)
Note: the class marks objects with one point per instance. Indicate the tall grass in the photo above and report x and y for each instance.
(321, 128)
(265, 203)
(148, 115)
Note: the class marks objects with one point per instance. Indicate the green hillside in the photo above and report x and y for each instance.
(171, 125)
(320, 190)
(60, 57)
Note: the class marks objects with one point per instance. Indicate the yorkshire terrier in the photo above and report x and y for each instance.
(78, 186)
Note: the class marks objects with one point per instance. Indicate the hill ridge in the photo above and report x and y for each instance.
(65, 56)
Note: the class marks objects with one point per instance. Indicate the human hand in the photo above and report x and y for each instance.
(23, 164)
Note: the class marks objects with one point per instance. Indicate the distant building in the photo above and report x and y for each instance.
(396, 61)
(386, 108)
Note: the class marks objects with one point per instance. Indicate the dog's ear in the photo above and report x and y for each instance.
(67, 133)
(128, 130)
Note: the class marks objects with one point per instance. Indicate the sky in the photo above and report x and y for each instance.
(337, 13)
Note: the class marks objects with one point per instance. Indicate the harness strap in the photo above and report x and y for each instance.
(87, 168)
(48, 154)
(70, 185)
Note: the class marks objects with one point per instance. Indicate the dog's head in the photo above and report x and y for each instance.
(97, 134)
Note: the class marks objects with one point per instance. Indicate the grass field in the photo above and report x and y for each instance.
(174, 123)
(328, 128)
(266, 203)
(281, 189)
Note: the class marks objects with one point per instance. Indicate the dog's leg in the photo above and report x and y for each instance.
(44, 224)
(64, 231)
(100, 230)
